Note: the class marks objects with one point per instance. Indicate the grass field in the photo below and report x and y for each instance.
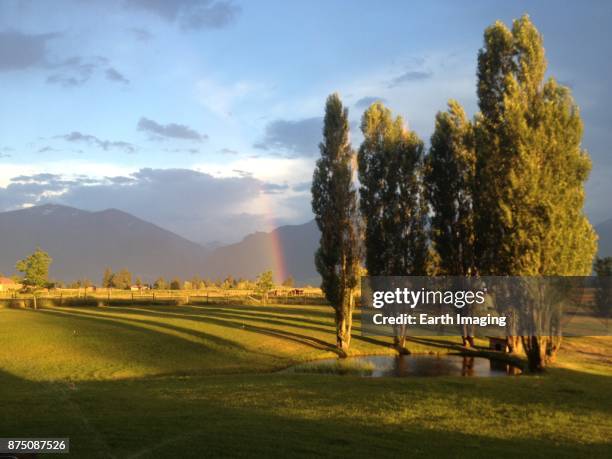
(201, 381)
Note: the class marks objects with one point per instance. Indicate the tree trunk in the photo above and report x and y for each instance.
(535, 349)
(514, 344)
(344, 324)
(553, 344)
(399, 339)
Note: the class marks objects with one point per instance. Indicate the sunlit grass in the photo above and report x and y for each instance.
(204, 381)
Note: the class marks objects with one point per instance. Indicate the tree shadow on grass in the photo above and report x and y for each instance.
(228, 317)
(244, 312)
(286, 335)
(132, 324)
(272, 415)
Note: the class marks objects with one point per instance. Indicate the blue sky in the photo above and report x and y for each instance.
(204, 116)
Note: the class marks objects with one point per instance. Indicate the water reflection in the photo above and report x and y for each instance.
(433, 365)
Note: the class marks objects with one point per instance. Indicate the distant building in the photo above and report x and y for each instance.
(7, 284)
(137, 288)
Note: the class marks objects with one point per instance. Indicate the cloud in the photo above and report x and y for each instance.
(298, 138)
(171, 130)
(191, 151)
(366, 101)
(140, 34)
(301, 187)
(193, 204)
(77, 70)
(46, 149)
(78, 137)
(228, 151)
(274, 188)
(190, 14)
(20, 51)
(410, 76)
(113, 75)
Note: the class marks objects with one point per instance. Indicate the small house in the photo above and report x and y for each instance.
(7, 284)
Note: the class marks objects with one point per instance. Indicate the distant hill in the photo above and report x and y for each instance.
(604, 230)
(260, 251)
(83, 243)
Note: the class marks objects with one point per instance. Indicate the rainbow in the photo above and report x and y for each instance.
(274, 249)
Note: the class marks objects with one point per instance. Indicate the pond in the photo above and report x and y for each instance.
(410, 365)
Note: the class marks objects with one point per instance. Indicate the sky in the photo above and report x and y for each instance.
(204, 117)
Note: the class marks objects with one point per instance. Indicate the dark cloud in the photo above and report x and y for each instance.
(410, 76)
(300, 187)
(20, 51)
(140, 34)
(190, 14)
(366, 101)
(106, 145)
(78, 70)
(298, 138)
(274, 188)
(74, 71)
(113, 75)
(172, 130)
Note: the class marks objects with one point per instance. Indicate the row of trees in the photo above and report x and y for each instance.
(123, 280)
(35, 270)
(501, 194)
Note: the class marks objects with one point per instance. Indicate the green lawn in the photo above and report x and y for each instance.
(189, 381)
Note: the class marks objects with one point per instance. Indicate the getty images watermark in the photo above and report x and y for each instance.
(487, 306)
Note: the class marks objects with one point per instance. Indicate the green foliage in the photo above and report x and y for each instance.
(107, 278)
(334, 204)
(175, 284)
(391, 195)
(122, 279)
(450, 174)
(160, 284)
(265, 283)
(35, 269)
(531, 169)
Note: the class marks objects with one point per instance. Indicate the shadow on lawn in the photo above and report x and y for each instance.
(301, 416)
(287, 335)
(219, 316)
(132, 324)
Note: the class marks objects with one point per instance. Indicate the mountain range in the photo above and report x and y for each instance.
(82, 244)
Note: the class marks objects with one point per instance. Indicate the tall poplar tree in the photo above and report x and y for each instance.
(451, 169)
(391, 199)
(531, 170)
(334, 204)
(449, 183)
